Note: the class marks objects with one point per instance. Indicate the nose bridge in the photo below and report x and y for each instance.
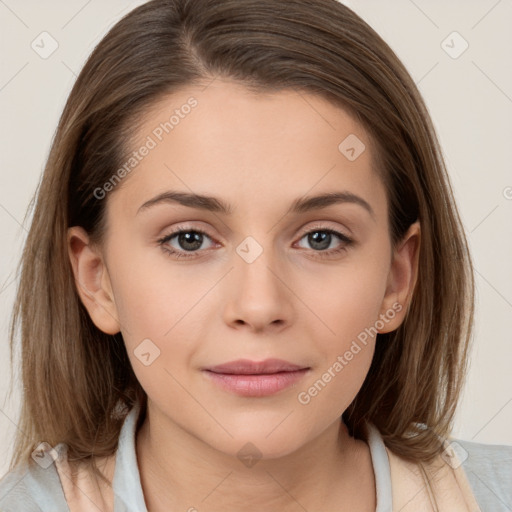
(256, 261)
(259, 296)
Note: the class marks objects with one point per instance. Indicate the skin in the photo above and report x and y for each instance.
(257, 152)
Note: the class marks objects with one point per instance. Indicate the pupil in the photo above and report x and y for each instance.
(186, 238)
(323, 240)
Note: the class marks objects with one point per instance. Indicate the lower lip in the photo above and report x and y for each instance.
(257, 385)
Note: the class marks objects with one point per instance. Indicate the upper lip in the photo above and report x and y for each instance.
(248, 367)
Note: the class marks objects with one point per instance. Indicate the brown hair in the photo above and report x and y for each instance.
(75, 376)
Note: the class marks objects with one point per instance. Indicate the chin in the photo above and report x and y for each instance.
(256, 442)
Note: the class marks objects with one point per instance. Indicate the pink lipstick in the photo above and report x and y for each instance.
(256, 378)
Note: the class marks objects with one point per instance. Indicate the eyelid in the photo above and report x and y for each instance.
(321, 225)
(185, 228)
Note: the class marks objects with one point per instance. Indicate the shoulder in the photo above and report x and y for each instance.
(30, 485)
(488, 469)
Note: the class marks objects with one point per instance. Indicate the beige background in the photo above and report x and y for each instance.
(470, 100)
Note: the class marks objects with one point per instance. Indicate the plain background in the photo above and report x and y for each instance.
(469, 98)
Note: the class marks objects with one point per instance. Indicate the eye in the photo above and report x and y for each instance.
(321, 239)
(188, 240)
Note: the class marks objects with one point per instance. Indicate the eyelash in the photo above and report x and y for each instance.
(193, 254)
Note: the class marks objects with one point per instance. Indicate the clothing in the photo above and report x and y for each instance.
(32, 488)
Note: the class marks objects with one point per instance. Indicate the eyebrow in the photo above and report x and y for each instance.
(213, 204)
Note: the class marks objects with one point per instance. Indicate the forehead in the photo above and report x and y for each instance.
(253, 149)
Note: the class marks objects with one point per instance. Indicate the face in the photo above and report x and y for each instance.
(273, 275)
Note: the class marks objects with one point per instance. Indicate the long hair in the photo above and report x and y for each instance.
(77, 381)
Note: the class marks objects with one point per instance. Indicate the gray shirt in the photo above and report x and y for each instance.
(33, 488)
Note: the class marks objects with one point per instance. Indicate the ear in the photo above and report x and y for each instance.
(402, 277)
(92, 280)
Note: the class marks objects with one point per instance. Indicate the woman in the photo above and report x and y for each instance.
(246, 284)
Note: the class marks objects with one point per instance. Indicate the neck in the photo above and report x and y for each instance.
(181, 472)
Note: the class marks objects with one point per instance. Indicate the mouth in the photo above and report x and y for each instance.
(248, 367)
(256, 379)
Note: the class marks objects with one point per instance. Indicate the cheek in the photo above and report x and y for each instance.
(345, 352)
(152, 292)
(348, 303)
(154, 316)
(158, 308)
(345, 299)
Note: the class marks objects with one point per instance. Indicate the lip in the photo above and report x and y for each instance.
(256, 378)
(248, 367)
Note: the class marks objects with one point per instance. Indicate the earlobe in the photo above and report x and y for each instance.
(402, 278)
(92, 280)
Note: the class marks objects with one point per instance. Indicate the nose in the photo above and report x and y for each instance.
(259, 294)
